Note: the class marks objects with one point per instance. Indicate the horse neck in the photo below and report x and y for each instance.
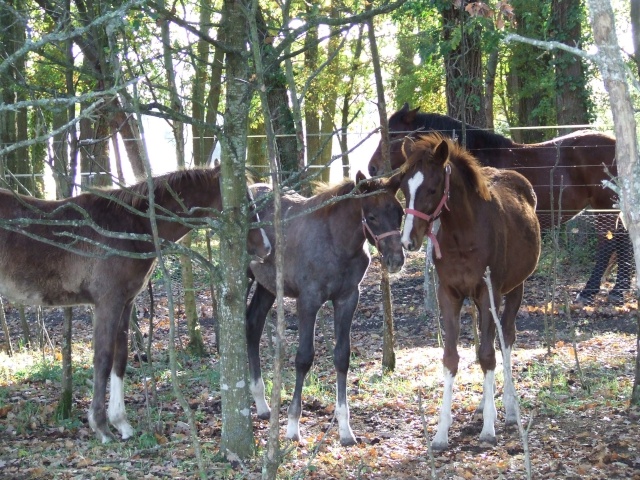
(202, 198)
(344, 220)
(459, 212)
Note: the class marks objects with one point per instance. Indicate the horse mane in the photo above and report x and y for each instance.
(469, 168)
(137, 195)
(323, 192)
(476, 137)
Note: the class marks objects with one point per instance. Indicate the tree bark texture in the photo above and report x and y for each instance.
(571, 90)
(463, 67)
(237, 431)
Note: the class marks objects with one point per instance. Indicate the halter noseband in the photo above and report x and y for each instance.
(376, 238)
(436, 213)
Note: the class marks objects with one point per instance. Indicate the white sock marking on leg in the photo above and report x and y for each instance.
(441, 439)
(116, 412)
(257, 390)
(489, 413)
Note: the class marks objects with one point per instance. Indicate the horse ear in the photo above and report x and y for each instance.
(441, 153)
(410, 116)
(361, 182)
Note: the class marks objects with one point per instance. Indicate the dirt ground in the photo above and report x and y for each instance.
(579, 422)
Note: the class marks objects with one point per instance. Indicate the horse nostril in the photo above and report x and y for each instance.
(372, 170)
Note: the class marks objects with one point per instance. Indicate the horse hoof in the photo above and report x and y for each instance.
(264, 415)
(616, 297)
(490, 439)
(439, 446)
(585, 298)
(347, 442)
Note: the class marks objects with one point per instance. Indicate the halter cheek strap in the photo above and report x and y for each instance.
(436, 213)
(376, 238)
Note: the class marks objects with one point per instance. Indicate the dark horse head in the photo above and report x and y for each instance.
(409, 122)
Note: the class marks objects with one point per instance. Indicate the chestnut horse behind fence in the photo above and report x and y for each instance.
(97, 249)
(487, 219)
(325, 258)
(571, 167)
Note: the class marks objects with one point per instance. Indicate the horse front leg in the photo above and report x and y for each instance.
(450, 308)
(344, 309)
(304, 359)
(117, 414)
(257, 312)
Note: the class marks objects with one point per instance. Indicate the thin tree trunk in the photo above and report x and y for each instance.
(26, 335)
(490, 86)
(5, 329)
(346, 101)
(273, 455)
(388, 354)
(66, 400)
(196, 343)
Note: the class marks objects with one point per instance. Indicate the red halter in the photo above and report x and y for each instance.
(376, 238)
(436, 213)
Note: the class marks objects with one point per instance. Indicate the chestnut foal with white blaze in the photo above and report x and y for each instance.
(325, 258)
(487, 218)
(74, 252)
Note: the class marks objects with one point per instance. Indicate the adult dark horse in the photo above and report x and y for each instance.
(325, 258)
(66, 253)
(577, 179)
(487, 219)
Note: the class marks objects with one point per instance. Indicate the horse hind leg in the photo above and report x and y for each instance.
(117, 413)
(624, 258)
(344, 308)
(103, 355)
(304, 360)
(511, 306)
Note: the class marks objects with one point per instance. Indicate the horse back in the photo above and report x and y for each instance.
(314, 262)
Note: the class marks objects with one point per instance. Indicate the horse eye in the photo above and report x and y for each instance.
(371, 217)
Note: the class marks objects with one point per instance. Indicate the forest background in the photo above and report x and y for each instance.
(78, 78)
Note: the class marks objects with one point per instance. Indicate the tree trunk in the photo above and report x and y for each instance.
(612, 69)
(346, 102)
(312, 101)
(388, 354)
(571, 90)
(237, 431)
(490, 87)
(201, 150)
(278, 95)
(196, 343)
(463, 67)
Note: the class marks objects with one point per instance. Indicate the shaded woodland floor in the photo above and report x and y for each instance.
(580, 423)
